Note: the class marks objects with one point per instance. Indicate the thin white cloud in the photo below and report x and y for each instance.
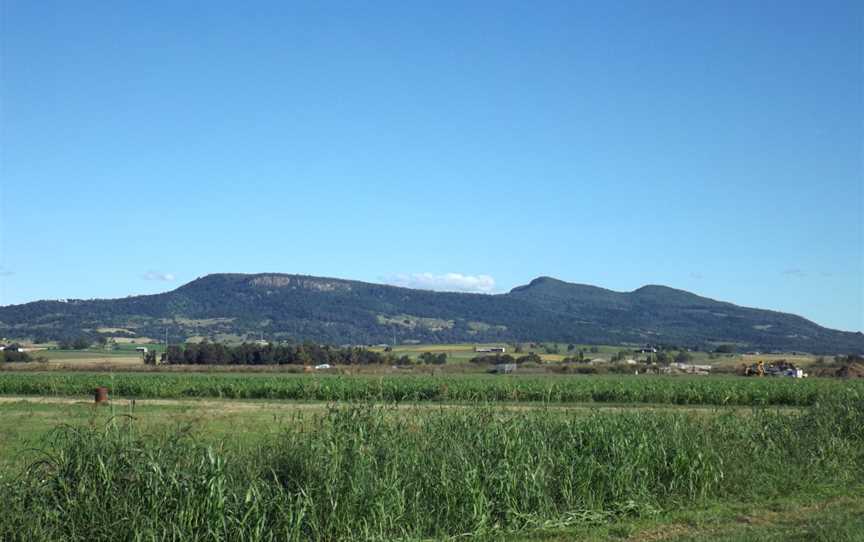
(447, 282)
(158, 275)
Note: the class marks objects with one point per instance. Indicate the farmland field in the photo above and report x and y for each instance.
(120, 355)
(466, 388)
(237, 470)
(73, 355)
(123, 356)
(460, 353)
(251, 456)
(117, 350)
(24, 420)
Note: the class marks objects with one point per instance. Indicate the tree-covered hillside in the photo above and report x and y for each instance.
(340, 311)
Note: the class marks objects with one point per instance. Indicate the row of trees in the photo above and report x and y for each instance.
(550, 348)
(13, 355)
(78, 343)
(207, 353)
(507, 358)
(255, 354)
(433, 359)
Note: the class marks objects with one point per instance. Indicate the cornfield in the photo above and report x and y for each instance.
(470, 389)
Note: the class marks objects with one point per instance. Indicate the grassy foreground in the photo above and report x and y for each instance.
(360, 473)
(466, 388)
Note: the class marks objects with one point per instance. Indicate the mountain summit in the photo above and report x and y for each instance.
(300, 307)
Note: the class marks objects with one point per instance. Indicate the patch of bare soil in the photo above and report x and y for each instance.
(853, 370)
(245, 405)
(223, 405)
(762, 517)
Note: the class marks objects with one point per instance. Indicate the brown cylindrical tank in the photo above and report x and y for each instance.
(101, 394)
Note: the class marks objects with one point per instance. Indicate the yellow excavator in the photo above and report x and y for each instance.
(756, 369)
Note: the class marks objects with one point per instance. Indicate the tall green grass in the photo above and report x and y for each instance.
(557, 389)
(366, 472)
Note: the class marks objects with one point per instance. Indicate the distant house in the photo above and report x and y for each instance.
(490, 349)
(323, 366)
(142, 349)
(646, 350)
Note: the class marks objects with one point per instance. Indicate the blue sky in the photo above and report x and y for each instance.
(711, 146)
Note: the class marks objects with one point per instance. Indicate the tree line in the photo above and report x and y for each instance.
(496, 359)
(12, 354)
(207, 353)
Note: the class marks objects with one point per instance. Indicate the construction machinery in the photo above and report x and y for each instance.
(780, 368)
(754, 369)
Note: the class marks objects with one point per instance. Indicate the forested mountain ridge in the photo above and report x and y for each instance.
(338, 311)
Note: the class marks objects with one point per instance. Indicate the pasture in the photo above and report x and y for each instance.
(26, 420)
(261, 453)
(463, 352)
(122, 356)
(254, 470)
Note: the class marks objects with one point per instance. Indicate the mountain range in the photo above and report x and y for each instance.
(338, 311)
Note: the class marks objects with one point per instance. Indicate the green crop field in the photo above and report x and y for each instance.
(76, 355)
(466, 388)
(247, 456)
(122, 350)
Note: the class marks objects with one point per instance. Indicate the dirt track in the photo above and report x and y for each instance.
(241, 405)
